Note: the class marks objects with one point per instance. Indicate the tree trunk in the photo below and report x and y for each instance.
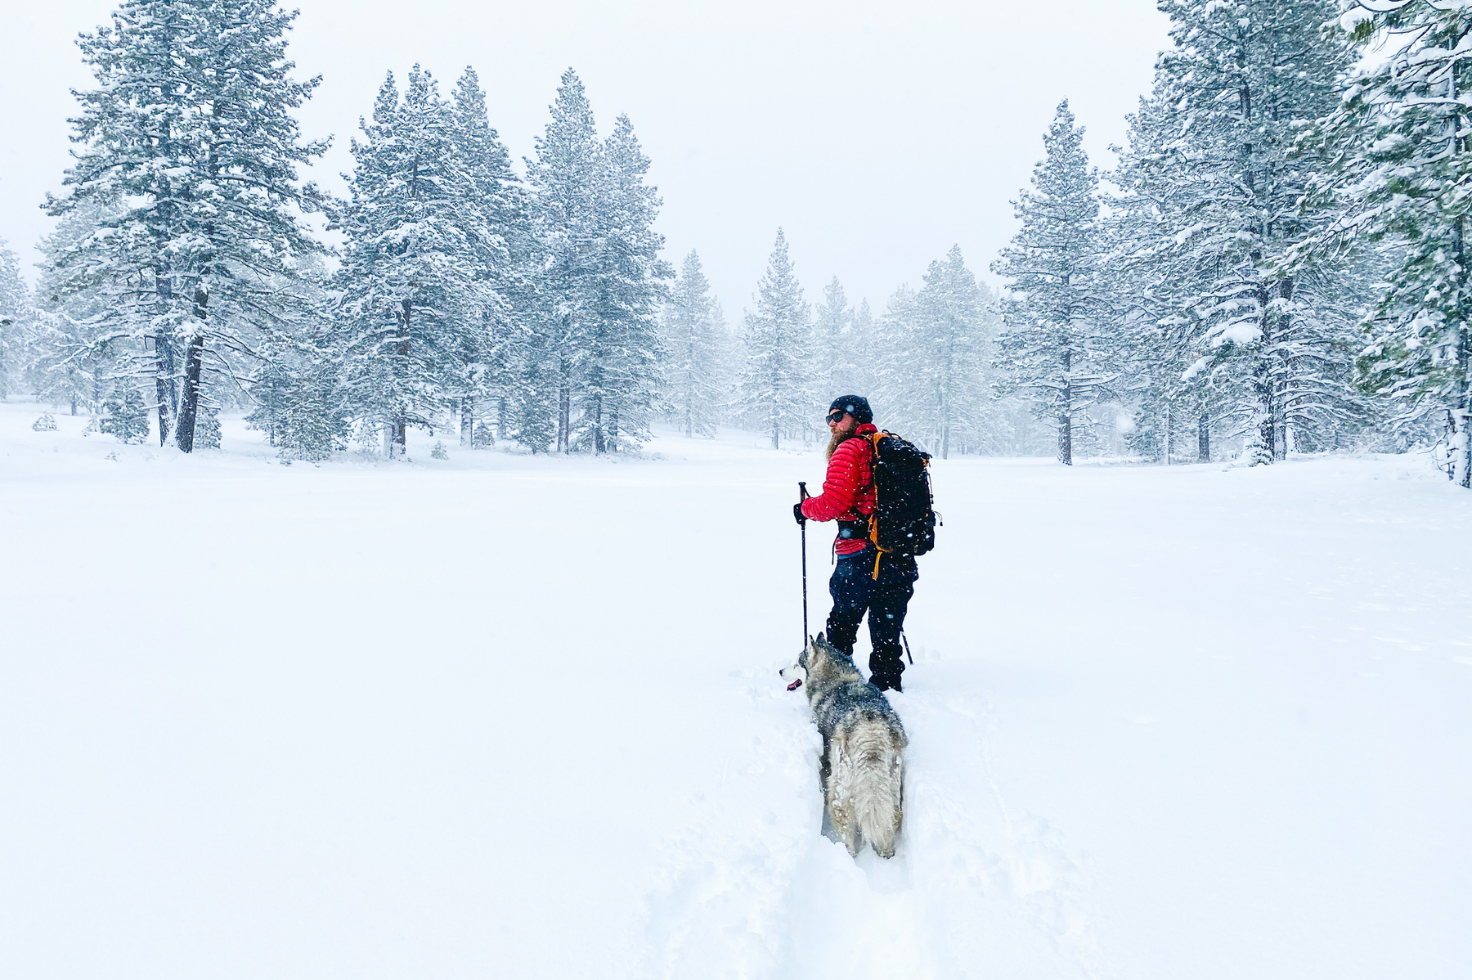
(501, 418)
(1065, 413)
(564, 419)
(193, 368)
(1168, 446)
(1203, 438)
(1466, 481)
(776, 436)
(467, 420)
(598, 424)
(1267, 432)
(399, 427)
(1267, 426)
(189, 411)
(162, 382)
(613, 429)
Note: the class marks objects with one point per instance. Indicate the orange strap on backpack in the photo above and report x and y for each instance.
(874, 517)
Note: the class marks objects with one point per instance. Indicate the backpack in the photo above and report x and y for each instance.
(903, 523)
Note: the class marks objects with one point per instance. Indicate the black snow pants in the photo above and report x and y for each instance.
(855, 591)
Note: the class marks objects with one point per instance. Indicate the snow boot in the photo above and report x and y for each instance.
(886, 682)
(885, 667)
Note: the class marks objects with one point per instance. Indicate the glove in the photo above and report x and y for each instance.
(797, 513)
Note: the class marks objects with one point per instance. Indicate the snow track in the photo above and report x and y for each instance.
(971, 886)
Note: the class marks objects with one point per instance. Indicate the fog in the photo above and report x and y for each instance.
(875, 135)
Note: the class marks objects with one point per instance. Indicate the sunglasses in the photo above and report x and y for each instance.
(835, 416)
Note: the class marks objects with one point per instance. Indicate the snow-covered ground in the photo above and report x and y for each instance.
(503, 716)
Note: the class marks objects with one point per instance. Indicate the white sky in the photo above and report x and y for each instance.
(877, 134)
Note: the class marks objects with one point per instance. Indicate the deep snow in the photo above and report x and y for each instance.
(516, 717)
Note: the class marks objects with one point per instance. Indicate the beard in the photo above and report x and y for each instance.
(835, 440)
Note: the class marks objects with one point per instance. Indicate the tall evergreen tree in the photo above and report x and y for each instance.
(565, 179)
(1056, 339)
(77, 353)
(190, 129)
(942, 353)
(411, 282)
(501, 240)
(695, 338)
(858, 370)
(622, 378)
(835, 367)
(15, 318)
(1402, 155)
(1218, 186)
(775, 384)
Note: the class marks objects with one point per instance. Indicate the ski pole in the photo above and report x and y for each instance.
(802, 494)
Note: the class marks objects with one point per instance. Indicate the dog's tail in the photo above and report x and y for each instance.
(870, 771)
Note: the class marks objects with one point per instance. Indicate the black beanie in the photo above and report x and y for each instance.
(855, 405)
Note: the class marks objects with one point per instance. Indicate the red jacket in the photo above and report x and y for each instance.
(848, 489)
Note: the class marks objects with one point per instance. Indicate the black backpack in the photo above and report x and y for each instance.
(904, 521)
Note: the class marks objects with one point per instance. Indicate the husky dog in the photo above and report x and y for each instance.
(863, 747)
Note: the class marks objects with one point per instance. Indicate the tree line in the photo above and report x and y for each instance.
(1280, 260)
(1275, 265)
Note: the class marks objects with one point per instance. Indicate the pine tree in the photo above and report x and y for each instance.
(775, 383)
(695, 337)
(1056, 340)
(15, 318)
(942, 353)
(858, 371)
(565, 179)
(622, 377)
(836, 359)
(1231, 325)
(76, 352)
(501, 239)
(124, 414)
(411, 282)
(1402, 153)
(190, 131)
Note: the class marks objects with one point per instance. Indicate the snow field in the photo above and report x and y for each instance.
(506, 716)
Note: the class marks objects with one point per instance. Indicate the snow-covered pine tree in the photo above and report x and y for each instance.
(190, 129)
(865, 349)
(889, 376)
(941, 354)
(774, 382)
(1402, 139)
(124, 414)
(697, 357)
(1232, 326)
(1056, 339)
(622, 378)
(565, 178)
(835, 360)
(1150, 280)
(501, 239)
(76, 352)
(410, 283)
(15, 319)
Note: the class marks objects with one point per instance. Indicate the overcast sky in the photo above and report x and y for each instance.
(876, 134)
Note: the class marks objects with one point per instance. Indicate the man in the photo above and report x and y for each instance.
(849, 497)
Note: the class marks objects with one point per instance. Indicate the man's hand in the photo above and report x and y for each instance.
(797, 513)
